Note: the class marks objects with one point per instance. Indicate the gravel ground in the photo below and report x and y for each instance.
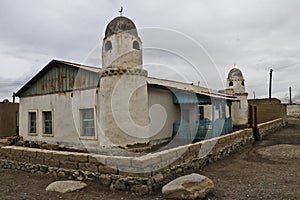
(253, 173)
(268, 169)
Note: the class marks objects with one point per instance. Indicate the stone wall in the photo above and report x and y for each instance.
(141, 174)
(268, 127)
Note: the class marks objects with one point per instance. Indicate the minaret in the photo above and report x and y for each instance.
(123, 88)
(235, 85)
(122, 47)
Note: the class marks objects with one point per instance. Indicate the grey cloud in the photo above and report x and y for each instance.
(256, 35)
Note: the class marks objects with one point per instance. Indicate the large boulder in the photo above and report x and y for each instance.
(65, 186)
(191, 186)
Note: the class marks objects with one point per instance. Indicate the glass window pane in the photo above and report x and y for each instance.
(32, 122)
(87, 122)
(47, 121)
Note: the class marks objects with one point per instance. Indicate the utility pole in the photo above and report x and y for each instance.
(270, 85)
(14, 97)
(291, 96)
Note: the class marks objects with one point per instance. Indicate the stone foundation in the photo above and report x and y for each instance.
(141, 174)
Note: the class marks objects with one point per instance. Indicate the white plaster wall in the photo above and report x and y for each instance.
(240, 110)
(66, 122)
(238, 87)
(122, 54)
(208, 112)
(124, 110)
(164, 99)
(293, 110)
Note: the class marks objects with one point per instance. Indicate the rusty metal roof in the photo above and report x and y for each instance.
(85, 67)
(60, 76)
(96, 71)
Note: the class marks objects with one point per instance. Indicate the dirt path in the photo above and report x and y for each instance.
(256, 172)
(268, 169)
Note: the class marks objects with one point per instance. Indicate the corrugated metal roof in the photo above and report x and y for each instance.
(85, 67)
(150, 80)
(60, 76)
(190, 88)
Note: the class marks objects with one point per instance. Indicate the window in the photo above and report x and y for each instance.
(87, 122)
(230, 83)
(47, 122)
(243, 84)
(108, 46)
(32, 122)
(136, 45)
(201, 113)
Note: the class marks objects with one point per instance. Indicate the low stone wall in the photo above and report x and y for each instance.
(269, 127)
(141, 174)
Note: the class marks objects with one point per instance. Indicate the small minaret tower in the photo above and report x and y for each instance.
(235, 86)
(122, 47)
(123, 88)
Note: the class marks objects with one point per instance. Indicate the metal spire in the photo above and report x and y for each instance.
(121, 11)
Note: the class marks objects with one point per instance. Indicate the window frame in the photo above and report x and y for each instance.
(43, 123)
(201, 116)
(29, 123)
(83, 135)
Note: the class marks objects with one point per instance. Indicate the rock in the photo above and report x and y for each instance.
(65, 186)
(105, 179)
(61, 174)
(49, 146)
(140, 189)
(12, 140)
(118, 185)
(191, 186)
(158, 178)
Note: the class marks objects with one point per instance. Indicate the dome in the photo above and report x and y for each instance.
(120, 24)
(235, 73)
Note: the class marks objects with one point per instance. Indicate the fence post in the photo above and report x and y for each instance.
(255, 129)
(250, 119)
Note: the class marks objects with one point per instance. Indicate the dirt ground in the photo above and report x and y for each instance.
(260, 171)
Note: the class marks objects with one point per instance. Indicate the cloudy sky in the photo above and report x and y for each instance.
(193, 40)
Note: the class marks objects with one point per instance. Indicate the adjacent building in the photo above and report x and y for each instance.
(8, 119)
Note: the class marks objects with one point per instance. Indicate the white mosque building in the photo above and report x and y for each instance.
(119, 105)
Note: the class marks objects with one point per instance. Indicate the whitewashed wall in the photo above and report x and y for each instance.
(293, 110)
(163, 98)
(66, 122)
(240, 111)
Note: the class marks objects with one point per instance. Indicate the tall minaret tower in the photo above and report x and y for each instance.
(123, 88)
(235, 85)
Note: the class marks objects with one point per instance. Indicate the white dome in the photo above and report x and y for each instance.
(235, 73)
(119, 25)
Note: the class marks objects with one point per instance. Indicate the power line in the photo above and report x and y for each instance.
(279, 68)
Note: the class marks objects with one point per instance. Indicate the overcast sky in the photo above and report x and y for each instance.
(193, 40)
